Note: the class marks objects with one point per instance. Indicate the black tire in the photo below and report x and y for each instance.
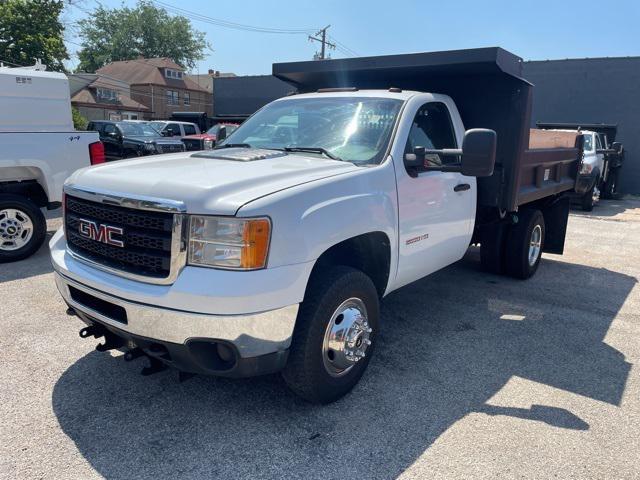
(305, 372)
(609, 188)
(33, 212)
(518, 244)
(587, 200)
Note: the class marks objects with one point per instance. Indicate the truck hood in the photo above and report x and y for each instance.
(204, 183)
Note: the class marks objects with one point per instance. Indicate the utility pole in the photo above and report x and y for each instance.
(323, 41)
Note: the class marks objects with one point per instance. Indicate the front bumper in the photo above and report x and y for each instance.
(203, 305)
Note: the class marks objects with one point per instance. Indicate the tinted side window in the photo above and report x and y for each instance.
(189, 130)
(598, 142)
(432, 129)
(173, 128)
(109, 128)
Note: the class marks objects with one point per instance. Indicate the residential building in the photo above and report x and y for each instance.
(205, 80)
(161, 85)
(101, 97)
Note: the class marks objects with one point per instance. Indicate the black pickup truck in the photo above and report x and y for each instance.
(133, 139)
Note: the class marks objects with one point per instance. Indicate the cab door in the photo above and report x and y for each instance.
(436, 210)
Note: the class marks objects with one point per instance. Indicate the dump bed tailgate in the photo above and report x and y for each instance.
(549, 166)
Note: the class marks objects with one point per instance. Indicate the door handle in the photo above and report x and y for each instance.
(461, 187)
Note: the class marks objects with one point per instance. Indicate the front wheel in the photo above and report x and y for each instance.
(334, 336)
(587, 199)
(22, 228)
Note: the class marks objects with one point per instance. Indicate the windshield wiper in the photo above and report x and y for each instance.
(233, 145)
(321, 150)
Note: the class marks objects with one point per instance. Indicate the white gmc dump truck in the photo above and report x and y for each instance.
(39, 149)
(272, 251)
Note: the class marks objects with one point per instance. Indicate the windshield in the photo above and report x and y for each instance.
(354, 129)
(137, 129)
(588, 143)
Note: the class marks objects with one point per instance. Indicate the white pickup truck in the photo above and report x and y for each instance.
(272, 251)
(39, 149)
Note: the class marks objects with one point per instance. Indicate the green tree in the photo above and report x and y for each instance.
(79, 122)
(127, 33)
(31, 29)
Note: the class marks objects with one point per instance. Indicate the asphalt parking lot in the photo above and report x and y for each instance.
(475, 376)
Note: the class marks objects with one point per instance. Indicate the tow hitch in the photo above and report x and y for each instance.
(112, 342)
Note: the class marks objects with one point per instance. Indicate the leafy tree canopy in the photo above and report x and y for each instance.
(127, 33)
(31, 29)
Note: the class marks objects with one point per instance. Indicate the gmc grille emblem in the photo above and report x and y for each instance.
(100, 232)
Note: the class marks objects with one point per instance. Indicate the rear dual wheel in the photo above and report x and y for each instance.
(525, 241)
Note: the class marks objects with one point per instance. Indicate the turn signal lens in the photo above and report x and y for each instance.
(231, 243)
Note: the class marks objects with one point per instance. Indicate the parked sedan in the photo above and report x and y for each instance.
(208, 139)
(132, 139)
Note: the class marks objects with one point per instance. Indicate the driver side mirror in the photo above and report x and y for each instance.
(478, 152)
(478, 156)
(617, 146)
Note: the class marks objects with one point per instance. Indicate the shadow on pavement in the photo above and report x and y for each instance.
(607, 208)
(556, 417)
(449, 343)
(35, 265)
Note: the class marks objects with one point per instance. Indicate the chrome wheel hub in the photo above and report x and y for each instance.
(347, 337)
(535, 245)
(16, 229)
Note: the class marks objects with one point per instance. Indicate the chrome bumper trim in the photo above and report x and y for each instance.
(126, 200)
(253, 334)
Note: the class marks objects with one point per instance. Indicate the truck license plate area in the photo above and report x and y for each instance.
(108, 309)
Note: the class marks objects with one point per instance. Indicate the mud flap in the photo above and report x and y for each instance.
(556, 216)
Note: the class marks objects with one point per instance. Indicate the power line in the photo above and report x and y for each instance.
(342, 47)
(228, 24)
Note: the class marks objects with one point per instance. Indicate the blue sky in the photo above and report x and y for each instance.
(534, 30)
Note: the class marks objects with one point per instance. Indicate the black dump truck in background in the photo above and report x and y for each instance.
(534, 169)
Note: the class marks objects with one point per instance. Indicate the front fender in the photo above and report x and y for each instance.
(309, 219)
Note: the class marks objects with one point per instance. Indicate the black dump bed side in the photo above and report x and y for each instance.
(488, 88)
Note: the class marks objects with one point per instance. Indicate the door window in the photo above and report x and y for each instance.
(110, 128)
(432, 129)
(174, 128)
(189, 130)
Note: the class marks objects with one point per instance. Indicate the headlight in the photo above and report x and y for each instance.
(233, 243)
(208, 144)
(149, 147)
(586, 168)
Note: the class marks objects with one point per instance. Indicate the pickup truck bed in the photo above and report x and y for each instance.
(490, 92)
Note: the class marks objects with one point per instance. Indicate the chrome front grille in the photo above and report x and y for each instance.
(150, 247)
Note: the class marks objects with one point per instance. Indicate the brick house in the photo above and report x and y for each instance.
(99, 97)
(161, 85)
